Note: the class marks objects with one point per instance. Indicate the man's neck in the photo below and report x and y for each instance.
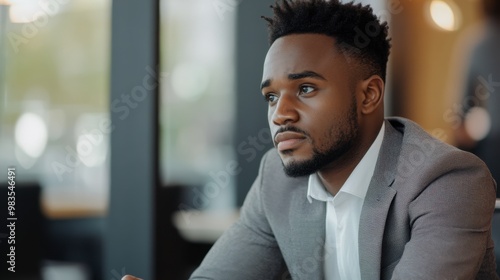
(336, 174)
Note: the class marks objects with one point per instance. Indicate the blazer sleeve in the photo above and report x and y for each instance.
(450, 223)
(248, 249)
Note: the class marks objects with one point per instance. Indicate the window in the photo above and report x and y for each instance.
(54, 116)
(197, 98)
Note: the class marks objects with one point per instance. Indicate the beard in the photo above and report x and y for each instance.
(345, 139)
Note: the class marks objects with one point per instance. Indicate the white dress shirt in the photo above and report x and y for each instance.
(343, 213)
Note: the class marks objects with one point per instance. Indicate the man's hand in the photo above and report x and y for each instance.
(130, 277)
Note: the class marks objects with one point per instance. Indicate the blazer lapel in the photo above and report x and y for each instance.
(307, 236)
(377, 203)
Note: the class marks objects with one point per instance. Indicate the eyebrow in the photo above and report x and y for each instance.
(296, 76)
(305, 74)
(265, 83)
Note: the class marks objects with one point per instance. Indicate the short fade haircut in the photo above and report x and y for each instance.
(347, 23)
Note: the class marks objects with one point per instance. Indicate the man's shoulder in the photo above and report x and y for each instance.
(416, 138)
(423, 155)
(417, 142)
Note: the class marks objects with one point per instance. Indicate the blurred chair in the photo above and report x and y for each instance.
(74, 246)
(176, 257)
(29, 232)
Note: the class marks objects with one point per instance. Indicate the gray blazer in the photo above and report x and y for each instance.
(427, 215)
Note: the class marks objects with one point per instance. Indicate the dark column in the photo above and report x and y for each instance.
(130, 228)
(251, 114)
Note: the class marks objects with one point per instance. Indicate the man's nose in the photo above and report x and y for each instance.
(285, 111)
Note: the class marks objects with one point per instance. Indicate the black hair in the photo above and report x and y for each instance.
(357, 31)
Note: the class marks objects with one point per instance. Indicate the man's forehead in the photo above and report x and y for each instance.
(298, 53)
(308, 45)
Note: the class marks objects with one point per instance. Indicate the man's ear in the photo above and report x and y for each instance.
(371, 94)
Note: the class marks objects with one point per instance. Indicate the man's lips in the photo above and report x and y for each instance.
(288, 140)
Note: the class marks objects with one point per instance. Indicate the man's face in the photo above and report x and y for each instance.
(312, 106)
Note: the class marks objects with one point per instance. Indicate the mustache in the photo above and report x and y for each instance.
(292, 129)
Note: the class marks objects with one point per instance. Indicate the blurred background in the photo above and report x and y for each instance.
(136, 127)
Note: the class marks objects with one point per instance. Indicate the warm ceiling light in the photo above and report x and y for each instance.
(4, 2)
(445, 15)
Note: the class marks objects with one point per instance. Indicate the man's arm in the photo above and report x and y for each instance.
(450, 224)
(247, 250)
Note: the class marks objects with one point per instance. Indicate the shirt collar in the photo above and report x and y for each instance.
(358, 181)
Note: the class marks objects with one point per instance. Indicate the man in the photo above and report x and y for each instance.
(346, 194)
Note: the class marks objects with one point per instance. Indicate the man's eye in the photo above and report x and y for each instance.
(270, 97)
(306, 89)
